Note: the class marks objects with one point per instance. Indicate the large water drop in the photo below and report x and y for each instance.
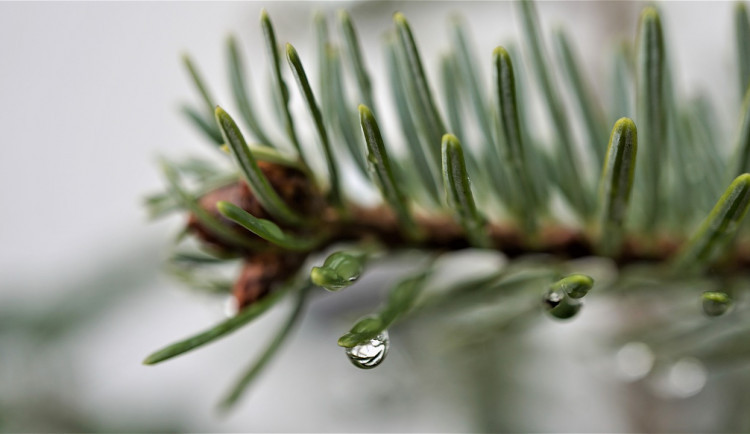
(558, 305)
(552, 298)
(716, 303)
(370, 354)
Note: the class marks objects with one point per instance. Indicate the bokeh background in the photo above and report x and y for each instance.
(89, 97)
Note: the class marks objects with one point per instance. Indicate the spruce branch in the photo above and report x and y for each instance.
(483, 179)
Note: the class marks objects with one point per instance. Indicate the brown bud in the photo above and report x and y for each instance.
(261, 272)
(238, 194)
(291, 184)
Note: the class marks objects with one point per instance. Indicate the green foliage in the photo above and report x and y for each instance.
(380, 166)
(742, 42)
(280, 87)
(569, 171)
(429, 120)
(400, 300)
(304, 85)
(220, 330)
(651, 113)
(719, 228)
(458, 191)
(202, 215)
(575, 286)
(258, 182)
(241, 92)
(445, 192)
(511, 127)
(616, 183)
(257, 366)
(266, 229)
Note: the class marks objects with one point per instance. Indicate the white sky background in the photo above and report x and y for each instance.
(88, 98)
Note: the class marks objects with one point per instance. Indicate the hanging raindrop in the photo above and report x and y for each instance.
(559, 305)
(552, 298)
(716, 303)
(330, 280)
(370, 354)
(341, 269)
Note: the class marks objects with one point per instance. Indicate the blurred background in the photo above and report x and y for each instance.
(90, 95)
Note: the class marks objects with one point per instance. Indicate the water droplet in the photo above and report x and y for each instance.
(552, 298)
(230, 306)
(559, 305)
(371, 354)
(716, 303)
(634, 361)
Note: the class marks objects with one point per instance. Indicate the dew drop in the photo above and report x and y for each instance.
(344, 283)
(716, 303)
(333, 287)
(634, 361)
(371, 354)
(331, 280)
(552, 298)
(559, 305)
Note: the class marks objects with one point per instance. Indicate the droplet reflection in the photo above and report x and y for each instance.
(371, 354)
(716, 303)
(559, 305)
(553, 298)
